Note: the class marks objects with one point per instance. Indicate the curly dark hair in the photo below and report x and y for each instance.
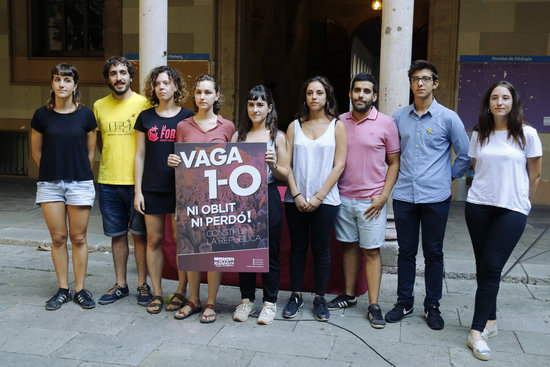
(63, 70)
(207, 77)
(173, 75)
(118, 60)
(331, 107)
(260, 92)
(486, 123)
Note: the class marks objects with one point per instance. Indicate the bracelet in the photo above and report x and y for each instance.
(317, 197)
(295, 196)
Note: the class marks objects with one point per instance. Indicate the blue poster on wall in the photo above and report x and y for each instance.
(529, 74)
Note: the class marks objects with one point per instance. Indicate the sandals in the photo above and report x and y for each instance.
(208, 319)
(181, 314)
(155, 305)
(178, 301)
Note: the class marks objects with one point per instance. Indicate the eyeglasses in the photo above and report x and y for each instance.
(425, 79)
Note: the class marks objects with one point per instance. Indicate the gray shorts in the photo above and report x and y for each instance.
(352, 226)
(77, 193)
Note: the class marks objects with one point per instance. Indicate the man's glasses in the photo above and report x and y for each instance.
(425, 79)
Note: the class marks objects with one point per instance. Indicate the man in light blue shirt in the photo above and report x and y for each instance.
(422, 193)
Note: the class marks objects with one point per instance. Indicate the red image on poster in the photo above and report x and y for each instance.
(222, 213)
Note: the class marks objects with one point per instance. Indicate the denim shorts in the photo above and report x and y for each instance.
(352, 226)
(77, 193)
(116, 203)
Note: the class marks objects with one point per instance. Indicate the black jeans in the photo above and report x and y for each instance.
(319, 225)
(494, 233)
(270, 280)
(409, 218)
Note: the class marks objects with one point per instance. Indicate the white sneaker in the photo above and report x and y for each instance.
(245, 309)
(488, 333)
(479, 348)
(268, 313)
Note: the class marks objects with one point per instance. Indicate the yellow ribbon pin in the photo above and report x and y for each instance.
(429, 131)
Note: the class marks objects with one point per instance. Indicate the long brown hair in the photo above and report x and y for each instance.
(486, 123)
(331, 107)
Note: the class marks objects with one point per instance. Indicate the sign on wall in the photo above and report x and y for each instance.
(222, 213)
(529, 74)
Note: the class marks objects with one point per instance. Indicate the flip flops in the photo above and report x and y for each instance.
(208, 319)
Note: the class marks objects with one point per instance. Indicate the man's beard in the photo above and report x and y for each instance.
(119, 92)
(368, 105)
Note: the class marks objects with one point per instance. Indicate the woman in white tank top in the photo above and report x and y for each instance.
(318, 146)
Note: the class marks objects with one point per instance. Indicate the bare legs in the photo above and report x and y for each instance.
(55, 214)
(373, 269)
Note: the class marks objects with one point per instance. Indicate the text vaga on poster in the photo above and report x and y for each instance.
(222, 207)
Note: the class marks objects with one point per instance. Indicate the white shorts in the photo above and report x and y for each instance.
(352, 226)
(77, 193)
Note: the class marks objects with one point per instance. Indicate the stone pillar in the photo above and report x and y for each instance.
(153, 37)
(395, 54)
(395, 59)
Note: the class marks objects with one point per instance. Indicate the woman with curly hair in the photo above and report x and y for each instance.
(155, 191)
(507, 158)
(317, 148)
(63, 142)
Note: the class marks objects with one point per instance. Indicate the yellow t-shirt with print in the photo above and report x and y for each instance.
(115, 123)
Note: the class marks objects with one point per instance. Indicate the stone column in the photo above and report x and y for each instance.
(395, 54)
(395, 59)
(153, 37)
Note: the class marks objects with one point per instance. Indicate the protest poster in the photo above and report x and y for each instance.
(221, 207)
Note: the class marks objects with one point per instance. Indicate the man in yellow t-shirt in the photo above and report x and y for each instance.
(116, 115)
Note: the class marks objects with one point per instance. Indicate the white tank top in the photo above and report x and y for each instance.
(312, 161)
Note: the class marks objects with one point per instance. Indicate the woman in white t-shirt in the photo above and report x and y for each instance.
(318, 146)
(506, 155)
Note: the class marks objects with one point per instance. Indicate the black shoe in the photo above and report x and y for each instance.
(84, 299)
(374, 314)
(114, 293)
(320, 309)
(295, 303)
(62, 296)
(433, 316)
(399, 312)
(342, 301)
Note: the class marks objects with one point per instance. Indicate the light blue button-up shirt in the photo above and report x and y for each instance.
(425, 172)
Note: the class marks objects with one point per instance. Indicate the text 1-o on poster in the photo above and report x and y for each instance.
(222, 214)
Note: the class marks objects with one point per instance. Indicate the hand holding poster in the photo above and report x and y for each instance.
(222, 213)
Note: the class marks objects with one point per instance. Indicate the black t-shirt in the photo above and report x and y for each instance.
(160, 135)
(64, 143)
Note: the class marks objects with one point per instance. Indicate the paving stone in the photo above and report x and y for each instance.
(464, 357)
(535, 343)
(540, 292)
(36, 341)
(107, 349)
(281, 360)
(19, 359)
(177, 355)
(287, 343)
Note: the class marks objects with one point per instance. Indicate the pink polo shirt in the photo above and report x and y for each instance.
(189, 132)
(369, 140)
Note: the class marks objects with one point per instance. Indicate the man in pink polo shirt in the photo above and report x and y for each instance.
(364, 187)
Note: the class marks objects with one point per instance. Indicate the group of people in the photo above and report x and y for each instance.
(339, 169)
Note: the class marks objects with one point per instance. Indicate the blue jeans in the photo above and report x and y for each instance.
(494, 233)
(116, 203)
(409, 218)
(319, 225)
